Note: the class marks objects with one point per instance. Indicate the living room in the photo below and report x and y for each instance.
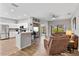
(39, 29)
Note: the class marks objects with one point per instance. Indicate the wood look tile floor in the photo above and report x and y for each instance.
(8, 48)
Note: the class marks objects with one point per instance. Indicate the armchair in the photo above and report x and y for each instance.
(56, 45)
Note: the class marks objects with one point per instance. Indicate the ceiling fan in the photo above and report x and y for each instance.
(15, 5)
(54, 16)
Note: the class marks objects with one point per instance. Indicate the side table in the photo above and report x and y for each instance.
(71, 46)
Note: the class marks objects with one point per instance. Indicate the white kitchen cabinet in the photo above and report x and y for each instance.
(4, 30)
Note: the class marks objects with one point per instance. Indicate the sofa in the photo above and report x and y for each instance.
(56, 44)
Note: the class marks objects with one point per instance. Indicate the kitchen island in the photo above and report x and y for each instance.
(23, 40)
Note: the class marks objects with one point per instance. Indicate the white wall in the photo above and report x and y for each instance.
(44, 23)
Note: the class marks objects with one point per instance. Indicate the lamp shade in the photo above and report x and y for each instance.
(69, 32)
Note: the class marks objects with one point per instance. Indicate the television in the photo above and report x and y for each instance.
(36, 29)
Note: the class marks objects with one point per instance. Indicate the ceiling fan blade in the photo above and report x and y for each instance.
(55, 16)
(15, 5)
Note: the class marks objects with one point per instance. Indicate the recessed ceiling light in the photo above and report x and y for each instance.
(53, 18)
(12, 10)
(25, 15)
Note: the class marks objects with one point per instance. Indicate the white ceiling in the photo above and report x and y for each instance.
(39, 10)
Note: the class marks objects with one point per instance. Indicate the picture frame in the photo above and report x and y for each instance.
(74, 23)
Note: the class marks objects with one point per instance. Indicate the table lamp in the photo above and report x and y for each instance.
(69, 33)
